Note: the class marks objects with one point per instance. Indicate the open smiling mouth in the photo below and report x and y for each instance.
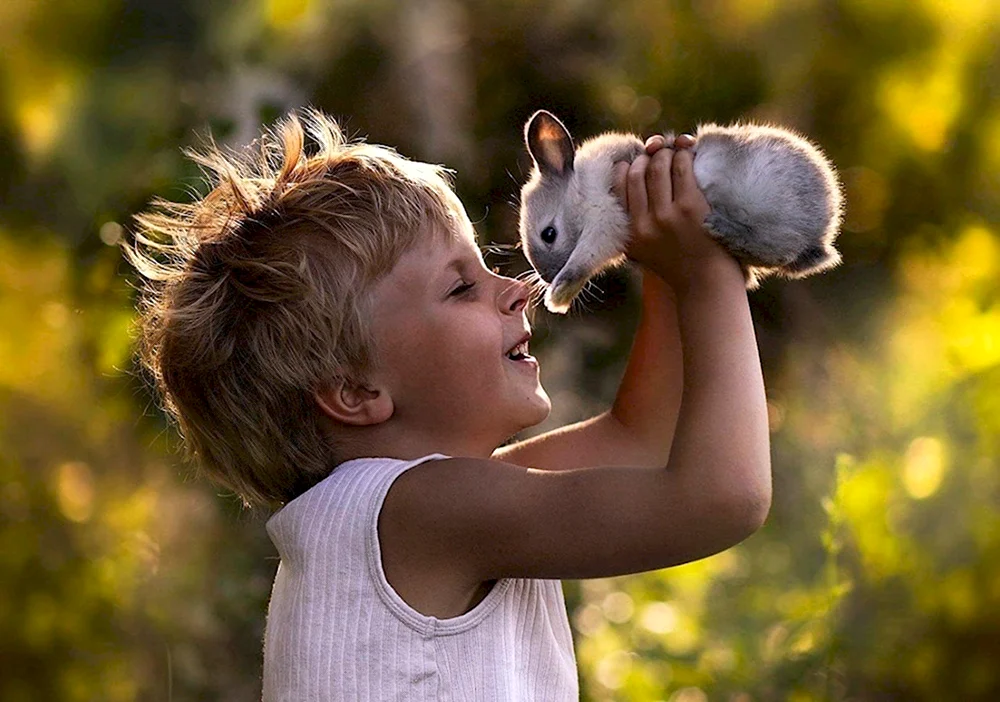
(520, 352)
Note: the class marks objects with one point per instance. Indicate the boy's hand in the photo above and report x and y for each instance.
(667, 212)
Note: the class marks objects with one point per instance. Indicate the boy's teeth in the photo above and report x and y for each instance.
(519, 350)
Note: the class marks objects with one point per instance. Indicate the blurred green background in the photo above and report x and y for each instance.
(877, 576)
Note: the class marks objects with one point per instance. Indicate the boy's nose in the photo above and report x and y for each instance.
(514, 296)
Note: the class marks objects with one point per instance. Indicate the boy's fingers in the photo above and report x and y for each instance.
(655, 143)
(636, 182)
(658, 183)
(684, 185)
(619, 174)
(684, 141)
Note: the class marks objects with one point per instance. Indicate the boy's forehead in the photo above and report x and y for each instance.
(456, 242)
(462, 230)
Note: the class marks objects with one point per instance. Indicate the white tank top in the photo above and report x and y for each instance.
(336, 629)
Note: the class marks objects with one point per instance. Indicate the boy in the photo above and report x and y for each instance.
(330, 342)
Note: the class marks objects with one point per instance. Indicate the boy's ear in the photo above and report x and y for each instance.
(354, 403)
(549, 143)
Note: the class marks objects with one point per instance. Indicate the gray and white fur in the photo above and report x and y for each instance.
(775, 202)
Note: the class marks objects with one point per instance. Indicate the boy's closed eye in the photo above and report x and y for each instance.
(462, 288)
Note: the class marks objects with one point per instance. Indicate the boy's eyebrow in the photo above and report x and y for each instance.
(456, 265)
(459, 264)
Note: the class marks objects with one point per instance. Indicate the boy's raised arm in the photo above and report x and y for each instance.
(493, 519)
(721, 441)
(639, 427)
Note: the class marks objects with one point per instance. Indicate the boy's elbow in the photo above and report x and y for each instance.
(759, 506)
(747, 505)
(737, 515)
(754, 504)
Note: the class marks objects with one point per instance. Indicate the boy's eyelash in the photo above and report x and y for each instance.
(463, 288)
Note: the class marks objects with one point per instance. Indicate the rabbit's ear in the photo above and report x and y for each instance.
(549, 143)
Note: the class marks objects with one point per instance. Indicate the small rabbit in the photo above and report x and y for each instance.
(775, 202)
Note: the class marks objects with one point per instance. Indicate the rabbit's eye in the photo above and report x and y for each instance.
(549, 235)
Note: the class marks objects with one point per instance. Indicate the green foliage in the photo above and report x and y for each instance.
(878, 573)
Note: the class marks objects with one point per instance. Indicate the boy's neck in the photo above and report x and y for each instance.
(385, 441)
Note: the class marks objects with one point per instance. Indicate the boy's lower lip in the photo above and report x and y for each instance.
(529, 360)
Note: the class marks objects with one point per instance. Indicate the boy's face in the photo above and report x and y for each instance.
(445, 329)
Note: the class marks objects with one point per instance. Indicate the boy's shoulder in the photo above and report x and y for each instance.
(424, 513)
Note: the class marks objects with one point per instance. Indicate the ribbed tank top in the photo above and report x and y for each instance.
(336, 629)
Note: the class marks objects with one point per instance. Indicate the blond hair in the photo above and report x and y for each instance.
(257, 294)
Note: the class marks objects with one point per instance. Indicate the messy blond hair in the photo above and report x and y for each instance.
(256, 294)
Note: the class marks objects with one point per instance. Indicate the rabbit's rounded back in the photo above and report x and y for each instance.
(777, 185)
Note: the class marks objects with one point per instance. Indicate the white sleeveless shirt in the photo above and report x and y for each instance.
(336, 629)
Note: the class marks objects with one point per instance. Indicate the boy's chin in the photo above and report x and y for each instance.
(539, 411)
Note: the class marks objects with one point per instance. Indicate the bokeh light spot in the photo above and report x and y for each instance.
(75, 491)
(659, 617)
(42, 111)
(286, 13)
(924, 467)
(111, 233)
(689, 694)
(618, 607)
(589, 619)
(55, 314)
(923, 100)
(622, 99)
(613, 668)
